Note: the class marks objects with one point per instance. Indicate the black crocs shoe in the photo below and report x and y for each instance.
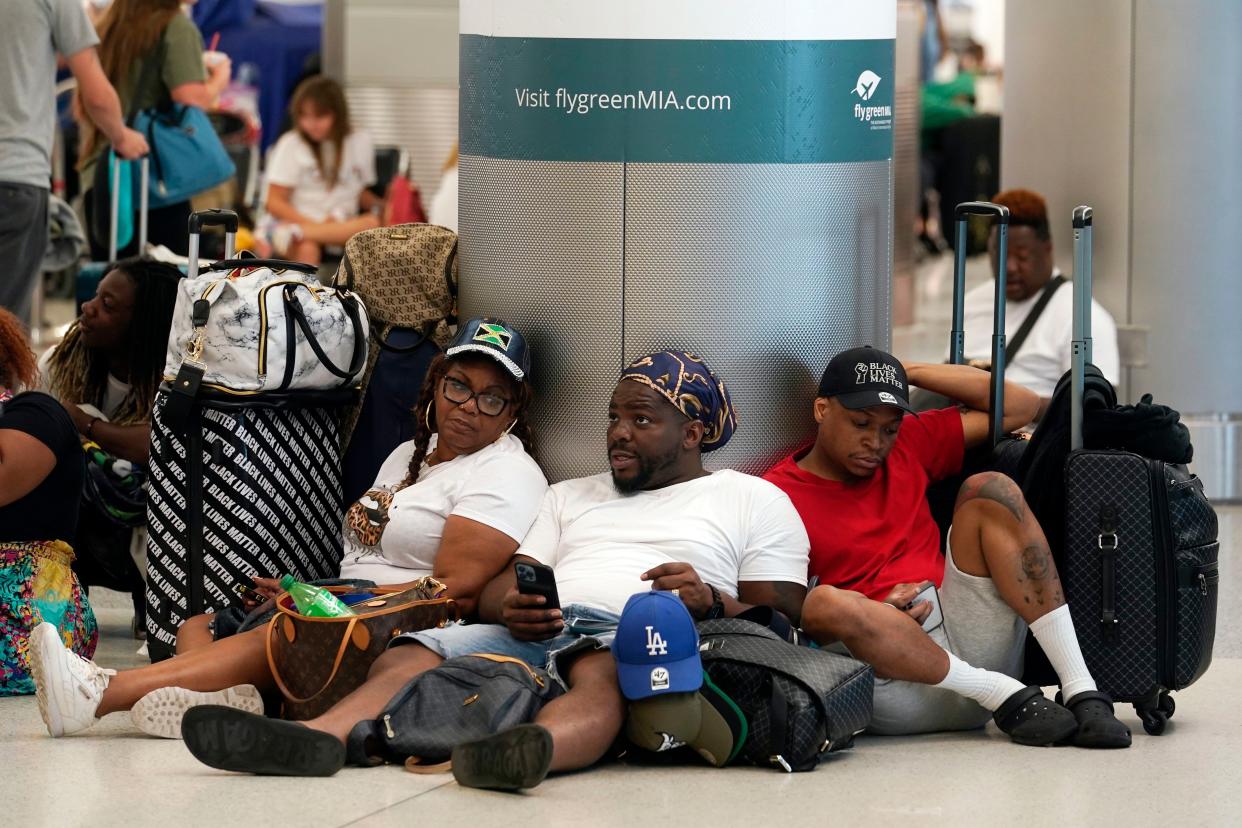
(513, 759)
(1097, 726)
(1029, 718)
(234, 740)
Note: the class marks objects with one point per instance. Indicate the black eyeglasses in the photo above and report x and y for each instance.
(459, 393)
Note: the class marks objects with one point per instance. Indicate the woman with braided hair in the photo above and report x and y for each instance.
(105, 372)
(109, 365)
(454, 503)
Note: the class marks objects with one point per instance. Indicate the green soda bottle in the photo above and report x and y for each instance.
(314, 601)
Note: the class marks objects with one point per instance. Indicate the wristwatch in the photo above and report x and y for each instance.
(716, 610)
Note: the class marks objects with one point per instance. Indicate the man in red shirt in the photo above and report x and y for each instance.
(944, 660)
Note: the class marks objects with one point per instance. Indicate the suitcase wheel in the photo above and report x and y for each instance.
(1156, 718)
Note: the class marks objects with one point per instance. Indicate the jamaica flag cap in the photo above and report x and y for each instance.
(495, 338)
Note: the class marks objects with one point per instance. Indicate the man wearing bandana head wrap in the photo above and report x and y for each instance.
(721, 542)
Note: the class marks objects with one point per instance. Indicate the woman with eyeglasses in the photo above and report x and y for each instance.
(453, 503)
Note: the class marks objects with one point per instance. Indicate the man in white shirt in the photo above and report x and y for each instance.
(1040, 360)
(721, 541)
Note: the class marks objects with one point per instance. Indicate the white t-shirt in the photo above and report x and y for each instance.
(291, 163)
(114, 394)
(392, 535)
(729, 526)
(1045, 355)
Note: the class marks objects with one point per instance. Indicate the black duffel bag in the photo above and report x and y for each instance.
(463, 699)
(799, 702)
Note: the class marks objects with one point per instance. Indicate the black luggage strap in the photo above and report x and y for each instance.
(1107, 543)
(359, 358)
(778, 721)
(184, 389)
(1031, 318)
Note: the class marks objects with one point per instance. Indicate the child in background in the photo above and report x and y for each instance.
(317, 177)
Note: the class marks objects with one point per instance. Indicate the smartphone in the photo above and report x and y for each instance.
(249, 594)
(537, 579)
(930, 594)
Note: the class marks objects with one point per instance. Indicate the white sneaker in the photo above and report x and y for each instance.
(67, 686)
(159, 712)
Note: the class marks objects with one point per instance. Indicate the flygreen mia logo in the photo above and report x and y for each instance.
(493, 334)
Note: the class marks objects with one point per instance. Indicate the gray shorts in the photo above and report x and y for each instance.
(980, 629)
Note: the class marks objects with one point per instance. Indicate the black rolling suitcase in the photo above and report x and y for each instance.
(240, 485)
(1139, 561)
(1001, 452)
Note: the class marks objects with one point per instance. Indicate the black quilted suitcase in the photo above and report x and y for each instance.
(1140, 575)
(799, 702)
(1139, 563)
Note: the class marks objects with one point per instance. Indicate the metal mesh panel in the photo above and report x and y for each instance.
(541, 248)
(764, 270)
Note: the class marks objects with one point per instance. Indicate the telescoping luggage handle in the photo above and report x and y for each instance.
(1080, 351)
(212, 218)
(957, 337)
(115, 205)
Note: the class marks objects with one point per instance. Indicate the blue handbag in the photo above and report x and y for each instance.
(187, 156)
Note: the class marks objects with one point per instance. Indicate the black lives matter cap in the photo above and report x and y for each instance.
(863, 377)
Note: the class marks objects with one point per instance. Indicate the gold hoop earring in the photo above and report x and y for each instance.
(427, 416)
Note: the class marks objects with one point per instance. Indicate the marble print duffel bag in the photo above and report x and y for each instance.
(269, 326)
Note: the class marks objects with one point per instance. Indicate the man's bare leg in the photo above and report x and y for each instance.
(390, 672)
(995, 535)
(569, 733)
(880, 634)
(585, 721)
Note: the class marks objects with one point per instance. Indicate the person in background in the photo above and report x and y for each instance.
(31, 36)
(444, 205)
(1029, 274)
(317, 177)
(40, 482)
(130, 33)
(105, 372)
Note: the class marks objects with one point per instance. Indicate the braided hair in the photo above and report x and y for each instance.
(17, 362)
(79, 374)
(520, 394)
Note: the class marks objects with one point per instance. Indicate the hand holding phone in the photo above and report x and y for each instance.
(929, 596)
(531, 611)
(537, 579)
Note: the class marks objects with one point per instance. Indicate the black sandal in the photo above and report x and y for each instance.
(234, 740)
(1097, 726)
(1030, 718)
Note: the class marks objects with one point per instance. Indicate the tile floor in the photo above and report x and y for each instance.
(1191, 775)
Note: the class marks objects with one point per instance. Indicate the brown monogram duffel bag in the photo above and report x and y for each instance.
(316, 662)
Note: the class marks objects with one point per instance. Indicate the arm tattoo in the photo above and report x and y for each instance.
(994, 487)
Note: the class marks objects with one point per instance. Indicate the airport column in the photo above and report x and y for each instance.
(712, 175)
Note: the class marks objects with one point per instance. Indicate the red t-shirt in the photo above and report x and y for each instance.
(871, 535)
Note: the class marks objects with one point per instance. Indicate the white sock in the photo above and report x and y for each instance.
(987, 687)
(1055, 633)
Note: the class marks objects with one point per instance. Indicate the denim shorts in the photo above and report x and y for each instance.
(586, 628)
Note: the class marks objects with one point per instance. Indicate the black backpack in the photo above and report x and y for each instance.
(463, 699)
(799, 702)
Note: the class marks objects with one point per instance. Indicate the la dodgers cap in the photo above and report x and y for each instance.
(656, 647)
(863, 377)
(494, 338)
